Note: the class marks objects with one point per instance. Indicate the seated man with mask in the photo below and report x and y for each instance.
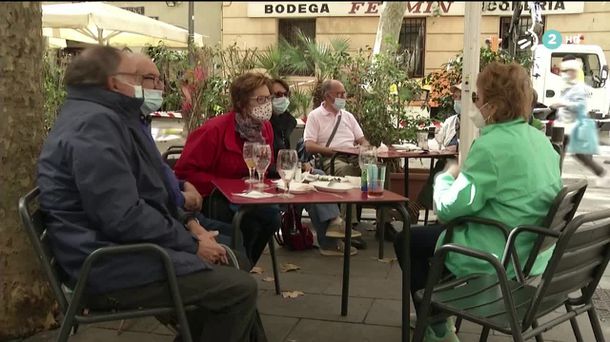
(448, 135)
(185, 194)
(102, 184)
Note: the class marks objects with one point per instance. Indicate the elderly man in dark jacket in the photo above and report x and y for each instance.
(102, 184)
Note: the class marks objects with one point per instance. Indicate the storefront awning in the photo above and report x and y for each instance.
(99, 23)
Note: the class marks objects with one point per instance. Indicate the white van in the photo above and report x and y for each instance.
(548, 83)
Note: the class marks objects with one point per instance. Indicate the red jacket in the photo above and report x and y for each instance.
(214, 151)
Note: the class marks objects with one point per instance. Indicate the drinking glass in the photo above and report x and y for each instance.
(376, 180)
(262, 157)
(249, 152)
(367, 155)
(287, 162)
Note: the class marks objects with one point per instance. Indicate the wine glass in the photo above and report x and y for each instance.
(262, 157)
(248, 154)
(287, 161)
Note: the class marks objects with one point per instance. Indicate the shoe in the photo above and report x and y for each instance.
(448, 335)
(338, 251)
(359, 243)
(336, 229)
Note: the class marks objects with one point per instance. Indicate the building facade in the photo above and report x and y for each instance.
(432, 30)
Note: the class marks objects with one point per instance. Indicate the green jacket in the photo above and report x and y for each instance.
(511, 175)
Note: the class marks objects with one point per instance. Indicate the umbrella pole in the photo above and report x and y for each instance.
(191, 32)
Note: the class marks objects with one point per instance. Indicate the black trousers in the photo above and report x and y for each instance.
(423, 244)
(257, 227)
(225, 298)
(585, 159)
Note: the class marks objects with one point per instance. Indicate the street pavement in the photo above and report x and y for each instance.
(374, 307)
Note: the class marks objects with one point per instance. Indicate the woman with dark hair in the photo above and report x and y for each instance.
(511, 175)
(215, 150)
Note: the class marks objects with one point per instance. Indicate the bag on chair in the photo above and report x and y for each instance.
(294, 234)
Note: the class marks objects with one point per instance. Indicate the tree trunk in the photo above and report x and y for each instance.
(26, 302)
(390, 22)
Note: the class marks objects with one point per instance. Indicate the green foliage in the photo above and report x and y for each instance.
(379, 95)
(300, 101)
(54, 91)
(171, 64)
(451, 73)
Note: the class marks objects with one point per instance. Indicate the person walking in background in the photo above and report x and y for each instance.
(581, 137)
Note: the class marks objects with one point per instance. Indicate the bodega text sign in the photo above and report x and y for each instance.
(278, 9)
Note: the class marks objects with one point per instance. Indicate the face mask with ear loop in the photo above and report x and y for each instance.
(477, 117)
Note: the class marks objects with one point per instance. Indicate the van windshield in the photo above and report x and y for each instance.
(589, 61)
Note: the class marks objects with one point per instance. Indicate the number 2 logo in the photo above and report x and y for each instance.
(551, 39)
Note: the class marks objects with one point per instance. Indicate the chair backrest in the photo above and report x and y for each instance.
(172, 151)
(32, 219)
(579, 260)
(562, 211)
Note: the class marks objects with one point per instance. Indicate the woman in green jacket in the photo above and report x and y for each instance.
(511, 175)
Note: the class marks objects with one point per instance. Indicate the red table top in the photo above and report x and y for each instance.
(393, 153)
(229, 187)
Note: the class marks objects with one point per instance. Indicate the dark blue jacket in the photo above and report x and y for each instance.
(102, 184)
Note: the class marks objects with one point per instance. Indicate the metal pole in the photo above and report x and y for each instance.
(191, 41)
(470, 69)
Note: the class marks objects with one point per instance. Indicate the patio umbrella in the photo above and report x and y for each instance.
(99, 23)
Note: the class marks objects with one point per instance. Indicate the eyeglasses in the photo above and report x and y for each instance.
(262, 99)
(154, 79)
(137, 76)
(475, 97)
(341, 95)
(281, 94)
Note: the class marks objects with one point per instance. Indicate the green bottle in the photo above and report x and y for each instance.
(363, 180)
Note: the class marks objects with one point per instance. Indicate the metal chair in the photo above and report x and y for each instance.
(561, 212)
(172, 151)
(582, 253)
(72, 308)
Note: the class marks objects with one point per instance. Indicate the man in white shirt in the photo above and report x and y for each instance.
(321, 123)
(319, 138)
(448, 135)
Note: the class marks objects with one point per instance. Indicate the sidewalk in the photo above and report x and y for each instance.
(374, 307)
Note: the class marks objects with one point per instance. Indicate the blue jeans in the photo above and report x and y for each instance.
(321, 215)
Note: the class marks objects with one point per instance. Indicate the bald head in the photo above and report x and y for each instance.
(148, 70)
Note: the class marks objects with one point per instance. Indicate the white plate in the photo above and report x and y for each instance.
(406, 147)
(296, 188)
(336, 187)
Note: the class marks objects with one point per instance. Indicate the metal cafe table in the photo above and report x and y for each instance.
(231, 188)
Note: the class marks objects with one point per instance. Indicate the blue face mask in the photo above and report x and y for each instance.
(457, 106)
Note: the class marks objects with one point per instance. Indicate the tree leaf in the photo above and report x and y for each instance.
(289, 267)
(257, 270)
(292, 294)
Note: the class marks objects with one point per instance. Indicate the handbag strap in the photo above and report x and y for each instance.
(332, 135)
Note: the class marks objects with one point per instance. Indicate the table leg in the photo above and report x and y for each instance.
(276, 276)
(406, 178)
(406, 273)
(346, 259)
(431, 175)
(381, 228)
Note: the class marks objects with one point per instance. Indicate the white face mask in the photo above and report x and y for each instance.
(457, 106)
(339, 103)
(280, 104)
(566, 77)
(153, 99)
(263, 112)
(477, 118)
(138, 93)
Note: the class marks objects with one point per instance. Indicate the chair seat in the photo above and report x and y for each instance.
(479, 299)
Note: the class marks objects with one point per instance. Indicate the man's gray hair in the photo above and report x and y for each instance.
(93, 66)
(325, 87)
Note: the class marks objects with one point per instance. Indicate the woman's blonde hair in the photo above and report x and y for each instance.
(508, 88)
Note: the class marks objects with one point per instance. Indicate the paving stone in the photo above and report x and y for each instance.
(308, 283)
(368, 288)
(313, 306)
(277, 328)
(385, 312)
(315, 331)
(94, 334)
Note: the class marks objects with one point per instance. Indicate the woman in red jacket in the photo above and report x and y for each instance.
(214, 151)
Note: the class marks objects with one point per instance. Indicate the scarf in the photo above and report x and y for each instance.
(249, 128)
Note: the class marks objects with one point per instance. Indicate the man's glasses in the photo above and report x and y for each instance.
(154, 79)
(281, 94)
(262, 99)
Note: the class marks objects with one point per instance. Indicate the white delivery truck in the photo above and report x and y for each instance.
(546, 76)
